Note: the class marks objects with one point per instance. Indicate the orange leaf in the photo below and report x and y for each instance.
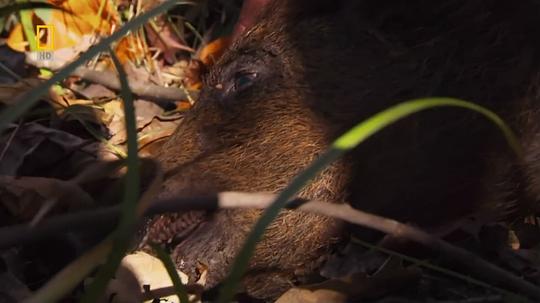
(16, 39)
(214, 50)
(183, 105)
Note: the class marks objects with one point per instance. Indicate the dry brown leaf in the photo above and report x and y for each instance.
(146, 112)
(114, 121)
(70, 108)
(152, 136)
(10, 92)
(23, 197)
(96, 92)
(13, 61)
(35, 150)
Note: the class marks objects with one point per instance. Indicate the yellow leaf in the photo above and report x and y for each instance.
(16, 39)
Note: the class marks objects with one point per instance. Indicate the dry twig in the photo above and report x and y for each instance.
(145, 91)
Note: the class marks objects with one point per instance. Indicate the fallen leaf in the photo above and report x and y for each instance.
(96, 91)
(9, 93)
(214, 50)
(23, 197)
(154, 135)
(14, 61)
(145, 113)
(139, 274)
(35, 150)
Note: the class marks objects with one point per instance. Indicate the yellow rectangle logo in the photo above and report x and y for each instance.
(45, 33)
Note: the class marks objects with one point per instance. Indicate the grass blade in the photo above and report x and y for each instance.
(179, 287)
(28, 28)
(379, 121)
(131, 195)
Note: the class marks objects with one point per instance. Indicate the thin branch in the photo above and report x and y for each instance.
(143, 90)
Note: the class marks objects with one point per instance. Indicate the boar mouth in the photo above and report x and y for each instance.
(171, 230)
(202, 244)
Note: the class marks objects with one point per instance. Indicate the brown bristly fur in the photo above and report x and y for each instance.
(323, 66)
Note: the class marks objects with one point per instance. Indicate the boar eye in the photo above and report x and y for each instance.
(244, 80)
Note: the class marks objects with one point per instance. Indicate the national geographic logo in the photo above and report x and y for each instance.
(45, 37)
(44, 42)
